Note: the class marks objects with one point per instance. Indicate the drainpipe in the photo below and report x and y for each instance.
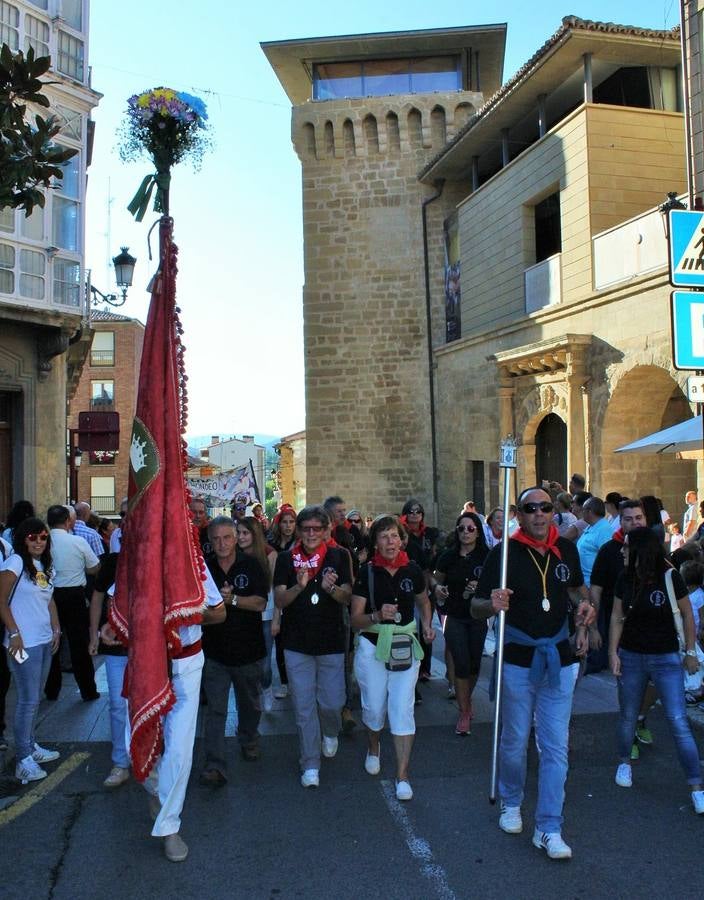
(439, 185)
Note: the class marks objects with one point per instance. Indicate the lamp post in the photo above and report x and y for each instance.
(124, 273)
(75, 457)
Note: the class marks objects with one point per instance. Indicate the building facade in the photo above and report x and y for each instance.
(44, 314)
(291, 471)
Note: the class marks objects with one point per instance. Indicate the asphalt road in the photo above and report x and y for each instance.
(262, 837)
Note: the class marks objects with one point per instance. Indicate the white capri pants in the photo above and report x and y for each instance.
(383, 691)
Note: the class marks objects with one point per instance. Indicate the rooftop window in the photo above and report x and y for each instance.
(379, 77)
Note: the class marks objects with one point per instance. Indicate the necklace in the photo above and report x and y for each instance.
(544, 576)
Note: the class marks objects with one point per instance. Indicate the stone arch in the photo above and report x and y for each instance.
(463, 113)
(645, 399)
(415, 128)
(438, 126)
(309, 139)
(371, 133)
(329, 139)
(348, 138)
(393, 135)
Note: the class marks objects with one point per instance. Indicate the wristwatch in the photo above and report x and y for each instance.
(691, 653)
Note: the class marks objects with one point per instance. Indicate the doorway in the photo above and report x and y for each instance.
(551, 450)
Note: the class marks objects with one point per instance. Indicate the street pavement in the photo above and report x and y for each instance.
(263, 837)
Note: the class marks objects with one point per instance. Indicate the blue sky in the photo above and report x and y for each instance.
(238, 220)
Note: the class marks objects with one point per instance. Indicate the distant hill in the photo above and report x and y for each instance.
(197, 441)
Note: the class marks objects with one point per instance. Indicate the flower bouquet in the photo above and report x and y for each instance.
(169, 126)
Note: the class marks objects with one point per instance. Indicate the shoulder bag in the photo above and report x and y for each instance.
(401, 653)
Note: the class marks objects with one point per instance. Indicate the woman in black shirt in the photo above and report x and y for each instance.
(643, 643)
(458, 570)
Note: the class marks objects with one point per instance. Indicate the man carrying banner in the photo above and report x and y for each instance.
(539, 674)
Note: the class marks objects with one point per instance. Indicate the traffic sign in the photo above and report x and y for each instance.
(686, 248)
(687, 329)
(695, 388)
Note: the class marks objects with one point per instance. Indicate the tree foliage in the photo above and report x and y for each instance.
(29, 159)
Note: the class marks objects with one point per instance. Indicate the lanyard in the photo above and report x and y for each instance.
(544, 576)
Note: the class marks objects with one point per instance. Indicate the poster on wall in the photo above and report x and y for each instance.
(453, 296)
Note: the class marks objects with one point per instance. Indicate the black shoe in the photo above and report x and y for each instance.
(91, 697)
(212, 778)
(418, 699)
(250, 752)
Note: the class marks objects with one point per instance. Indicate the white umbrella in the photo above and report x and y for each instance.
(684, 437)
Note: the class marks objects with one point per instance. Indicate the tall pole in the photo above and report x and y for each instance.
(507, 462)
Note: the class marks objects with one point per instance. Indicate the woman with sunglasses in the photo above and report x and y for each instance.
(643, 644)
(32, 634)
(456, 576)
(312, 584)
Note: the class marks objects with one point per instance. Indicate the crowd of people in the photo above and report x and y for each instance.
(341, 603)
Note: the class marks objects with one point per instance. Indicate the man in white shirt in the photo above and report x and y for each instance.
(73, 560)
(689, 523)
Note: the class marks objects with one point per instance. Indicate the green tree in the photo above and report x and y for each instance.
(29, 159)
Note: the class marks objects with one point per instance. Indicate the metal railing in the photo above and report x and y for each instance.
(103, 504)
(543, 285)
(102, 357)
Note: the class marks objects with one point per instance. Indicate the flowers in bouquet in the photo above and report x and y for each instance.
(168, 126)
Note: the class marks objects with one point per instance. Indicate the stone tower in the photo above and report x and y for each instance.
(369, 111)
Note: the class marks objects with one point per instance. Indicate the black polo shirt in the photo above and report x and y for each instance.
(421, 548)
(525, 606)
(460, 572)
(649, 626)
(608, 565)
(400, 588)
(239, 640)
(315, 629)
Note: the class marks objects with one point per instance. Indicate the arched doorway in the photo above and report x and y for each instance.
(551, 450)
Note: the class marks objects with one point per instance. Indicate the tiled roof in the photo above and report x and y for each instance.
(104, 315)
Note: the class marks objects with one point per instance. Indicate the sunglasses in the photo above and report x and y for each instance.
(240, 508)
(356, 521)
(469, 528)
(313, 529)
(415, 511)
(531, 508)
(39, 536)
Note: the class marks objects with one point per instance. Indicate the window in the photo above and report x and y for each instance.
(32, 227)
(72, 13)
(40, 4)
(32, 271)
(102, 493)
(102, 394)
(7, 220)
(70, 55)
(36, 35)
(9, 25)
(67, 282)
(7, 269)
(65, 206)
(102, 351)
(548, 237)
(71, 122)
(378, 77)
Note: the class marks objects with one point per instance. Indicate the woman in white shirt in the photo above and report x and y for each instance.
(29, 614)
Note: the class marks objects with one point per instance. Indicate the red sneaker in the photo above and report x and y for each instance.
(464, 723)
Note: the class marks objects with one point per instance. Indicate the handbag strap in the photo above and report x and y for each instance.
(676, 612)
(370, 585)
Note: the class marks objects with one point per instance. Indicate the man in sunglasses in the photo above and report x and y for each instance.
(539, 674)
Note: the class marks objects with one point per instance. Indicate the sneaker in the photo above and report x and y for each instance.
(635, 751)
(175, 848)
(28, 770)
(310, 778)
(624, 775)
(118, 775)
(348, 721)
(451, 695)
(42, 755)
(551, 842)
(510, 819)
(267, 700)
(329, 747)
(698, 802)
(404, 791)
(463, 725)
(281, 691)
(372, 764)
(643, 734)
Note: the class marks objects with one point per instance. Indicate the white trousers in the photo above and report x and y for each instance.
(383, 691)
(168, 779)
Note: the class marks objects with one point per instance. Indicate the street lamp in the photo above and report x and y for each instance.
(124, 272)
(666, 208)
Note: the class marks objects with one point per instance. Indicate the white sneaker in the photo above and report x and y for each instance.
(118, 775)
(267, 700)
(310, 778)
(28, 770)
(698, 802)
(510, 819)
(329, 746)
(624, 776)
(281, 691)
(372, 764)
(404, 791)
(551, 842)
(42, 755)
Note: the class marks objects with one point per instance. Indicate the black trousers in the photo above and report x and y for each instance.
(73, 617)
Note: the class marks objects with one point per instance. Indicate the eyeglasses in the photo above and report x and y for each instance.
(313, 529)
(415, 511)
(469, 528)
(531, 508)
(40, 536)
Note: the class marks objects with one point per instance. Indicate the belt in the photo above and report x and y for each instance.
(190, 650)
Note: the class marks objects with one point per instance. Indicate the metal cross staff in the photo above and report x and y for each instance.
(507, 461)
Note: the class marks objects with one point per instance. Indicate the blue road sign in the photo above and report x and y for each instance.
(686, 248)
(688, 330)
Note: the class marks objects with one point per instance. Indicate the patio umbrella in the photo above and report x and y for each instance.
(684, 438)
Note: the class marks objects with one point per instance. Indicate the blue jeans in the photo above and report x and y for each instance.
(266, 662)
(115, 672)
(552, 708)
(665, 670)
(29, 678)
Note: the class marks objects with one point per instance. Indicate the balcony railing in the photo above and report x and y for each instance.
(543, 284)
(629, 250)
(103, 504)
(102, 357)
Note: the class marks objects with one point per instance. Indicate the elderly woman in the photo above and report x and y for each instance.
(313, 584)
(385, 595)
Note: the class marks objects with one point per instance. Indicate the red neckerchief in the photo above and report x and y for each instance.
(619, 536)
(313, 562)
(401, 559)
(347, 524)
(417, 531)
(549, 544)
(332, 543)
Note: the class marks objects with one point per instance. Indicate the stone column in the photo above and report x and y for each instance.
(577, 379)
